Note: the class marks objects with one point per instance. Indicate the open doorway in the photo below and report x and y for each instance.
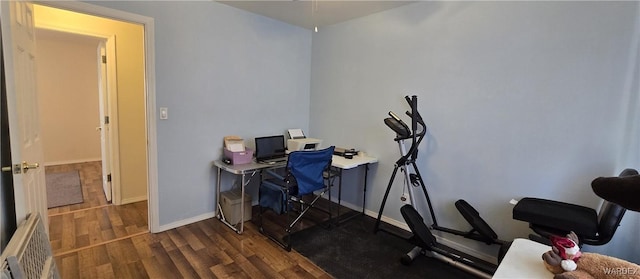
(136, 132)
(75, 103)
(74, 116)
(129, 122)
(70, 81)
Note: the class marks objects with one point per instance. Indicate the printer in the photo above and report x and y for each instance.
(298, 141)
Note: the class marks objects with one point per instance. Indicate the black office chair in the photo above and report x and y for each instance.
(304, 177)
(547, 217)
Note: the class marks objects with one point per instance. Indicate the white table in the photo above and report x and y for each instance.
(251, 169)
(340, 163)
(523, 260)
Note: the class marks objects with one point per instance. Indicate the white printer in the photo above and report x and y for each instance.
(298, 141)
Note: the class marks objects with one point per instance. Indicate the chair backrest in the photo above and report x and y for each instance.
(609, 217)
(307, 168)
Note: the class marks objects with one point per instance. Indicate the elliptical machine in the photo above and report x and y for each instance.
(426, 243)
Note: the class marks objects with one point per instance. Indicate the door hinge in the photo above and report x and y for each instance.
(104, 59)
(106, 120)
(108, 177)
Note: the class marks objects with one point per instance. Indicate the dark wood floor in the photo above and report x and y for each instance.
(99, 240)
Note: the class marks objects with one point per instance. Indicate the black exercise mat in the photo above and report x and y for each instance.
(352, 250)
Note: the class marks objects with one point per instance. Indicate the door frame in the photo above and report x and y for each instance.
(112, 90)
(150, 91)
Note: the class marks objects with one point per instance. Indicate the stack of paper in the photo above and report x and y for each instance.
(234, 143)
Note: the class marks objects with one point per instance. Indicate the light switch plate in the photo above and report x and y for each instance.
(164, 113)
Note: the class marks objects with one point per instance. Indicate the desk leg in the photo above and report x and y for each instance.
(220, 215)
(218, 194)
(364, 196)
(339, 194)
(242, 205)
(364, 191)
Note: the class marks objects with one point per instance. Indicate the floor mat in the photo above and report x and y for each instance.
(63, 189)
(352, 250)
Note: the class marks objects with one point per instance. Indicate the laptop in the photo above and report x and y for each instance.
(270, 149)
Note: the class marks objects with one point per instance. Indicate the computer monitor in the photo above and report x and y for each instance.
(270, 147)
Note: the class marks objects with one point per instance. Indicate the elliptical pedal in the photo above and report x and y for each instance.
(480, 227)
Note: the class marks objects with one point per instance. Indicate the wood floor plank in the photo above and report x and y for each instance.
(264, 268)
(296, 272)
(308, 266)
(67, 266)
(251, 270)
(86, 258)
(99, 240)
(190, 238)
(68, 236)
(137, 270)
(199, 264)
(142, 245)
(166, 265)
(155, 269)
(165, 241)
(185, 268)
(118, 256)
(104, 271)
(100, 255)
(231, 270)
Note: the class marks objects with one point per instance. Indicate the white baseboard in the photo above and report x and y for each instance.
(188, 221)
(56, 163)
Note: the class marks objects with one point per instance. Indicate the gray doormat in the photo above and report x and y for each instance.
(63, 189)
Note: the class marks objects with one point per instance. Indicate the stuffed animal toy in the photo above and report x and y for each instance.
(567, 262)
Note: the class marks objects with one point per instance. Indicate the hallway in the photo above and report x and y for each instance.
(95, 221)
(99, 240)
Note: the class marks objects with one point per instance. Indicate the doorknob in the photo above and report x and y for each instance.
(26, 166)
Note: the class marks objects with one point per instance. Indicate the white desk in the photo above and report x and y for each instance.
(242, 170)
(356, 161)
(523, 260)
(338, 162)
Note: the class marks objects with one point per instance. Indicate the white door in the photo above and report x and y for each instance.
(26, 146)
(105, 126)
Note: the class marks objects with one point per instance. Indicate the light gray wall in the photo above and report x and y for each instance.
(220, 71)
(521, 99)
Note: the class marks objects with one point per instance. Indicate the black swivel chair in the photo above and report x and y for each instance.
(547, 217)
(305, 176)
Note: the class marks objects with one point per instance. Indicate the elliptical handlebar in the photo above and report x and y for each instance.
(413, 133)
(397, 125)
(401, 128)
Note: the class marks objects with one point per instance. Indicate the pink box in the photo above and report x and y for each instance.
(239, 158)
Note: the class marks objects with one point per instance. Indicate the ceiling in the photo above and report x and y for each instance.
(312, 13)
